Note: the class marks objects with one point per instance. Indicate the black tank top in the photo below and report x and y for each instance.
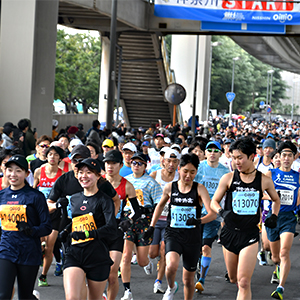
(181, 207)
(243, 199)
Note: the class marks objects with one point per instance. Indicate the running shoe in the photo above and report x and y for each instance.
(199, 286)
(278, 293)
(170, 292)
(127, 295)
(42, 281)
(58, 269)
(119, 273)
(149, 268)
(104, 296)
(36, 294)
(134, 260)
(157, 288)
(262, 258)
(278, 271)
(274, 278)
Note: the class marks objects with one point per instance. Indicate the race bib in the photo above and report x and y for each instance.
(286, 197)
(140, 197)
(10, 214)
(211, 184)
(82, 223)
(245, 203)
(180, 214)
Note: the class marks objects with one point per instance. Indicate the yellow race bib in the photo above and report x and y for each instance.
(10, 214)
(83, 223)
(140, 197)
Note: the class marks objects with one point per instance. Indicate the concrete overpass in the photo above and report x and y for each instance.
(27, 54)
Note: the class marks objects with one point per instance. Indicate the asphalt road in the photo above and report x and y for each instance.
(215, 285)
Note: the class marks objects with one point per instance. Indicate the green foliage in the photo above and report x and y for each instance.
(250, 79)
(78, 59)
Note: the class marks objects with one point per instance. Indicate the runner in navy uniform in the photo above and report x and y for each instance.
(93, 226)
(241, 214)
(183, 232)
(287, 182)
(24, 220)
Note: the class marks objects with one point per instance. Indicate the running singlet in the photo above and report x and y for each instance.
(210, 178)
(262, 167)
(243, 199)
(163, 183)
(286, 185)
(121, 191)
(183, 206)
(45, 184)
(0, 183)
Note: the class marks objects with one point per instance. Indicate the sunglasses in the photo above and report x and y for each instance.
(76, 160)
(44, 146)
(213, 150)
(137, 163)
(107, 147)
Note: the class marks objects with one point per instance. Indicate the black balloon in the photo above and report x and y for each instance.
(175, 93)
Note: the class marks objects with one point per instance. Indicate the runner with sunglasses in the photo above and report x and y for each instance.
(42, 145)
(209, 174)
(148, 193)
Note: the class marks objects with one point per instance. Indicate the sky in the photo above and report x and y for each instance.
(69, 30)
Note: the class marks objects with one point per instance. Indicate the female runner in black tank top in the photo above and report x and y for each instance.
(183, 233)
(93, 226)
(240, 234)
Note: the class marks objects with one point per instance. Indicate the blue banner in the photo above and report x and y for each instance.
(251, 12)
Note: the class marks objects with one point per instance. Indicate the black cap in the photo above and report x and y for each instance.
(58, 150)
(19, 160)
(113, 155)
(81, 150)
(91, 163)
(178, 141)
(228, 141)
(140, 156)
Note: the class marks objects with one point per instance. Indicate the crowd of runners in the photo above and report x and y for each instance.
(101, 200)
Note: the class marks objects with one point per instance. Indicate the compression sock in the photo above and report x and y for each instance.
(205, 263)
(43, 276)
(126, 285)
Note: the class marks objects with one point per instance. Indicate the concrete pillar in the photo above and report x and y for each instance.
(102, 108)
(183, 58)
(27, 62)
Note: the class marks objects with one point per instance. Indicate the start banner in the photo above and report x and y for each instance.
(251, 12)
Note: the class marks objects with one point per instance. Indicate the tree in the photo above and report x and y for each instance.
(77, 77)
(250, 79)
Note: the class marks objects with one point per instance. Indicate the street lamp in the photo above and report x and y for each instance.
(268, 84)
(232, 86)
(271, 72)
(214, 44)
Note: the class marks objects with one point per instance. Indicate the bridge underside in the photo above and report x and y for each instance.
(279, 51)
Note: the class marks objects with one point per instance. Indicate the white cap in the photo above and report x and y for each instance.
(75, 142)
(130, 146)
(54, 122)
(175, 146)
(171, 152)
(185, 151)
(164, 150)
(167, 140)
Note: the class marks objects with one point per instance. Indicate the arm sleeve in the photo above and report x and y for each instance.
(136, 208)
(44, 228)
(109, 229)
(106, 187)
